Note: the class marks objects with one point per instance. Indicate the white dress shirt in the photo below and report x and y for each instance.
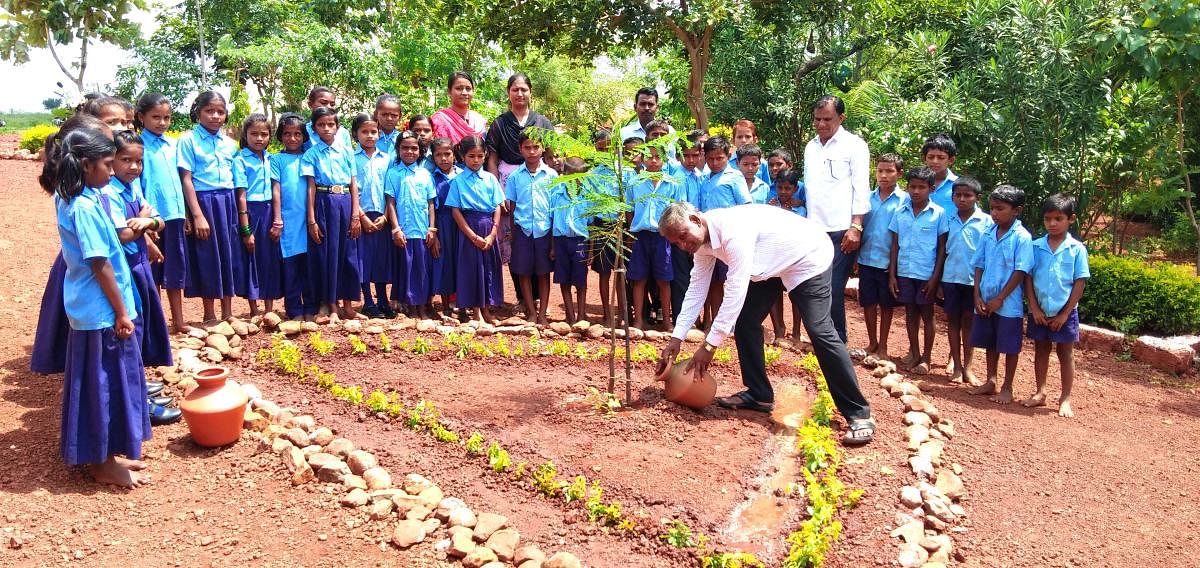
(837, 179)
(757, 242)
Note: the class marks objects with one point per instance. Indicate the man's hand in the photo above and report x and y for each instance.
(699, 363)
(667, 358)
(851, 240)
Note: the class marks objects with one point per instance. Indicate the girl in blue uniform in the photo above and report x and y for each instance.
(261, 263)
(445, 257)
(289, 193)
(206, 173)
(104, 412)
(411, 199)
(333, 213)
(474, 199)
(161, 187)
(374, 246)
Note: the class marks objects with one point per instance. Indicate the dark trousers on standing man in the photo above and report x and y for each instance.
(813, 298)
(681, 267)
(843, 264)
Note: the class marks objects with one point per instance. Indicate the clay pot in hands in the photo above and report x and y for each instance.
(682, 389)
(214, 411)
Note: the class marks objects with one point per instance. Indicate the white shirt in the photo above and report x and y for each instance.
(757, 242)
(634, 129)
(837, 179)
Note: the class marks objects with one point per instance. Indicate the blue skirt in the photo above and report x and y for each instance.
(104, 409)
(479, 282)
(333, 264)
(413, 263)
(171, 273)
(260, 278)
(50, 339)
(151, 326)
(214, 264)
(375, 254)
(445, 266)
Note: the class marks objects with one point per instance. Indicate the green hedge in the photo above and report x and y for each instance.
(1136, 297)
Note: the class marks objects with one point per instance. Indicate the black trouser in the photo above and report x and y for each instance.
(681, 267)
(843, 264)
(813, 298)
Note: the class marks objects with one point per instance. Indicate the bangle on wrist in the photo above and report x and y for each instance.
(312, 222)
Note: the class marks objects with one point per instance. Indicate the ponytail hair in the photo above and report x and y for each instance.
(145, 103)
(203, 100)
(359, 120)
(290, 119)
(53, 146)
(78, 147)
(470, 143)
(126, 138)
(98, 104)
(255, 118)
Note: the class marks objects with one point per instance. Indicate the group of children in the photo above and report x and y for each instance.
(930, 243)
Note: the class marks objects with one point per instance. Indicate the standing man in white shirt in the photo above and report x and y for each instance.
(645, 104)
(768, 250)
(837, 184)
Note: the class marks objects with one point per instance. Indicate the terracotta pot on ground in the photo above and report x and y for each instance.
(215, 410)
(683, 390)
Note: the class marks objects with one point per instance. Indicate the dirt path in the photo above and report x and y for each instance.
(1117, 486)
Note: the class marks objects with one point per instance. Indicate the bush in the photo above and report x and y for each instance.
(1136, 297)
(34, 138)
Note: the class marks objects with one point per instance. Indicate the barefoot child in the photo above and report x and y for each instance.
(261, 262)
(527, 196)
(374, 245)
(603, 258)
(939, 152)
(387, 117)
(1053, 289)
(749, 159)
(967, 226)
(778, 161)
(160, 184)
(650, 256)
(915, 267)
(445, 260)
(289, 194)
(412, 213)
(1004, 258)
(569, 234)
(724, 187)
(475, 199)
(875, 256)
(333, 212)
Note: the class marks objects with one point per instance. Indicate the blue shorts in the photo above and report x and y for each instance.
(873, 288)
(998, 333)
(530, 256)
(1068, 333)
(650, 257)
(959, 299)
(570, 261)
(910, 292)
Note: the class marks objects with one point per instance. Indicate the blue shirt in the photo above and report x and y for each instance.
(160, 176)
(209, 157)
(441, 181)
(387, 141)
(328, 165)
(293, 203)
(761, 192)
(649, 202)
(86, 232)
(961, 244)
(876, 248)
(724, 189)
(764, 173)
(475, 191)
(119, 195)
(692, 182)
(341, 138)
(530, 192)
(369, 172)
(999, 258)
(411, 186)
(568, 210)
(1055, 272)
(253, 174)
(943, 194)
(918, 239)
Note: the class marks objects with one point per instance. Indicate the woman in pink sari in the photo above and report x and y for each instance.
(458, 121)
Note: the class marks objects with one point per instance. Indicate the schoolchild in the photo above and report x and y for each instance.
(1002, 261)
(724, 187)
(116, 112)
(160, 184)
(527, 196)
(691, 171)
(261, 263)
(778, 161)
(967, 226)
(445, 259)
(375, 252)
(875, 255)
(333, 213)
(1053, 289)
(787, 184)
(939, 152)
(604, 259)
(411, 210)
(205, 160)
(569, 234)
(745, 132)
(323, 97)
(290, 227)
(387, 116)
(749, 159)
(915, 267)
(422, 126)
(650, 255)
(475, 199)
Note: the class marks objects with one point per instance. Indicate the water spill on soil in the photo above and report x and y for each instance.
(755, 524)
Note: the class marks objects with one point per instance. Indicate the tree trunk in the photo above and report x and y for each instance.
(699, 51)
(77, 80)
(1181, 148)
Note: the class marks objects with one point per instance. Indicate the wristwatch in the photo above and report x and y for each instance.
(708, 347)
(856, 226)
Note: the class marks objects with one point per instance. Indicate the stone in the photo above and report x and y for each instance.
(431, 525)
(251, 391)
(905, 388)
(426, 325)
(415, 483)
(418, 513)
(235, 342)
(255, 422)
(408, 533)
(889, 382)
(297, 437)
(513, 320)
(933, 564)
(1163, 354)
(889, 365)
(240, 327)
(496, 564)
(218, 342)
(381, 509)
(266, 407)
(272, 320)
(385, 494)
(280, 445)
(654, 335)
(918, 418)
(333, 472)
(880, 372)
(212, 355)
(560, 327)
(461, 543)
(950, 485)
(921, 467)
(562, 560)
(910, 532)
(223, 328)
(252, 329)
(912, 556)
(504, 543)
(431, 496)
(910, 497)
(290, 328)
(937, 542)
(402, 325)
(321, 436)
(462, 517)
(304, 422)
(916, 435)
(190, 343)
(352, 326)
(196, 333)
(530, 564)
(932, 450)
(374, 329)
(940, 509)
(284, 416)
(320, 459)
(478, 557)
(339, 447)
(354, 482)
(405, 503)
(1099, 339)
(355, 498)
(294, 460)
(527, 554)
(636, 334)
(488, 523)
(581, 326)
(694, 336)
(376, 478)
(448, 504)
(360, 461)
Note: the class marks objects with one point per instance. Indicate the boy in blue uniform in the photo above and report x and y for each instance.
(691, 164)
(724, 187)
(749, 159)
(527, 195)
(778, 161)
(1053, 289)
(939, 152)
(875, 254)
(958, 277)
(1003, 259)
(651, 253)
(569, 234)
(915, 268)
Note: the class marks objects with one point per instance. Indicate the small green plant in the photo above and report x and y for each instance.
(603, 402)
(560, 348)
(498, 458)
(357, 346)
(817, 446)
(627, 524)
(680, 535)
(545, 479)
(377, 401)
(325, 379)
(459, 343)
(501, 346)
(443, 434)
(644, 352)
(352, 394)
(423, 416)
(518, 472)
(772, 354)
(385, 343)
(731, 560)
(395, 409)
(577, 490)
(581, 352)
(321, 346)
(421, 346)
(475, 444)
(723, 355)
(809, 363)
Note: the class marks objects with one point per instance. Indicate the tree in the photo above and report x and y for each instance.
(31, 24)
(51, 103)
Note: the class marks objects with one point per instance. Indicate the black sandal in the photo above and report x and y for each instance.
(743, 401)
(860, 431)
